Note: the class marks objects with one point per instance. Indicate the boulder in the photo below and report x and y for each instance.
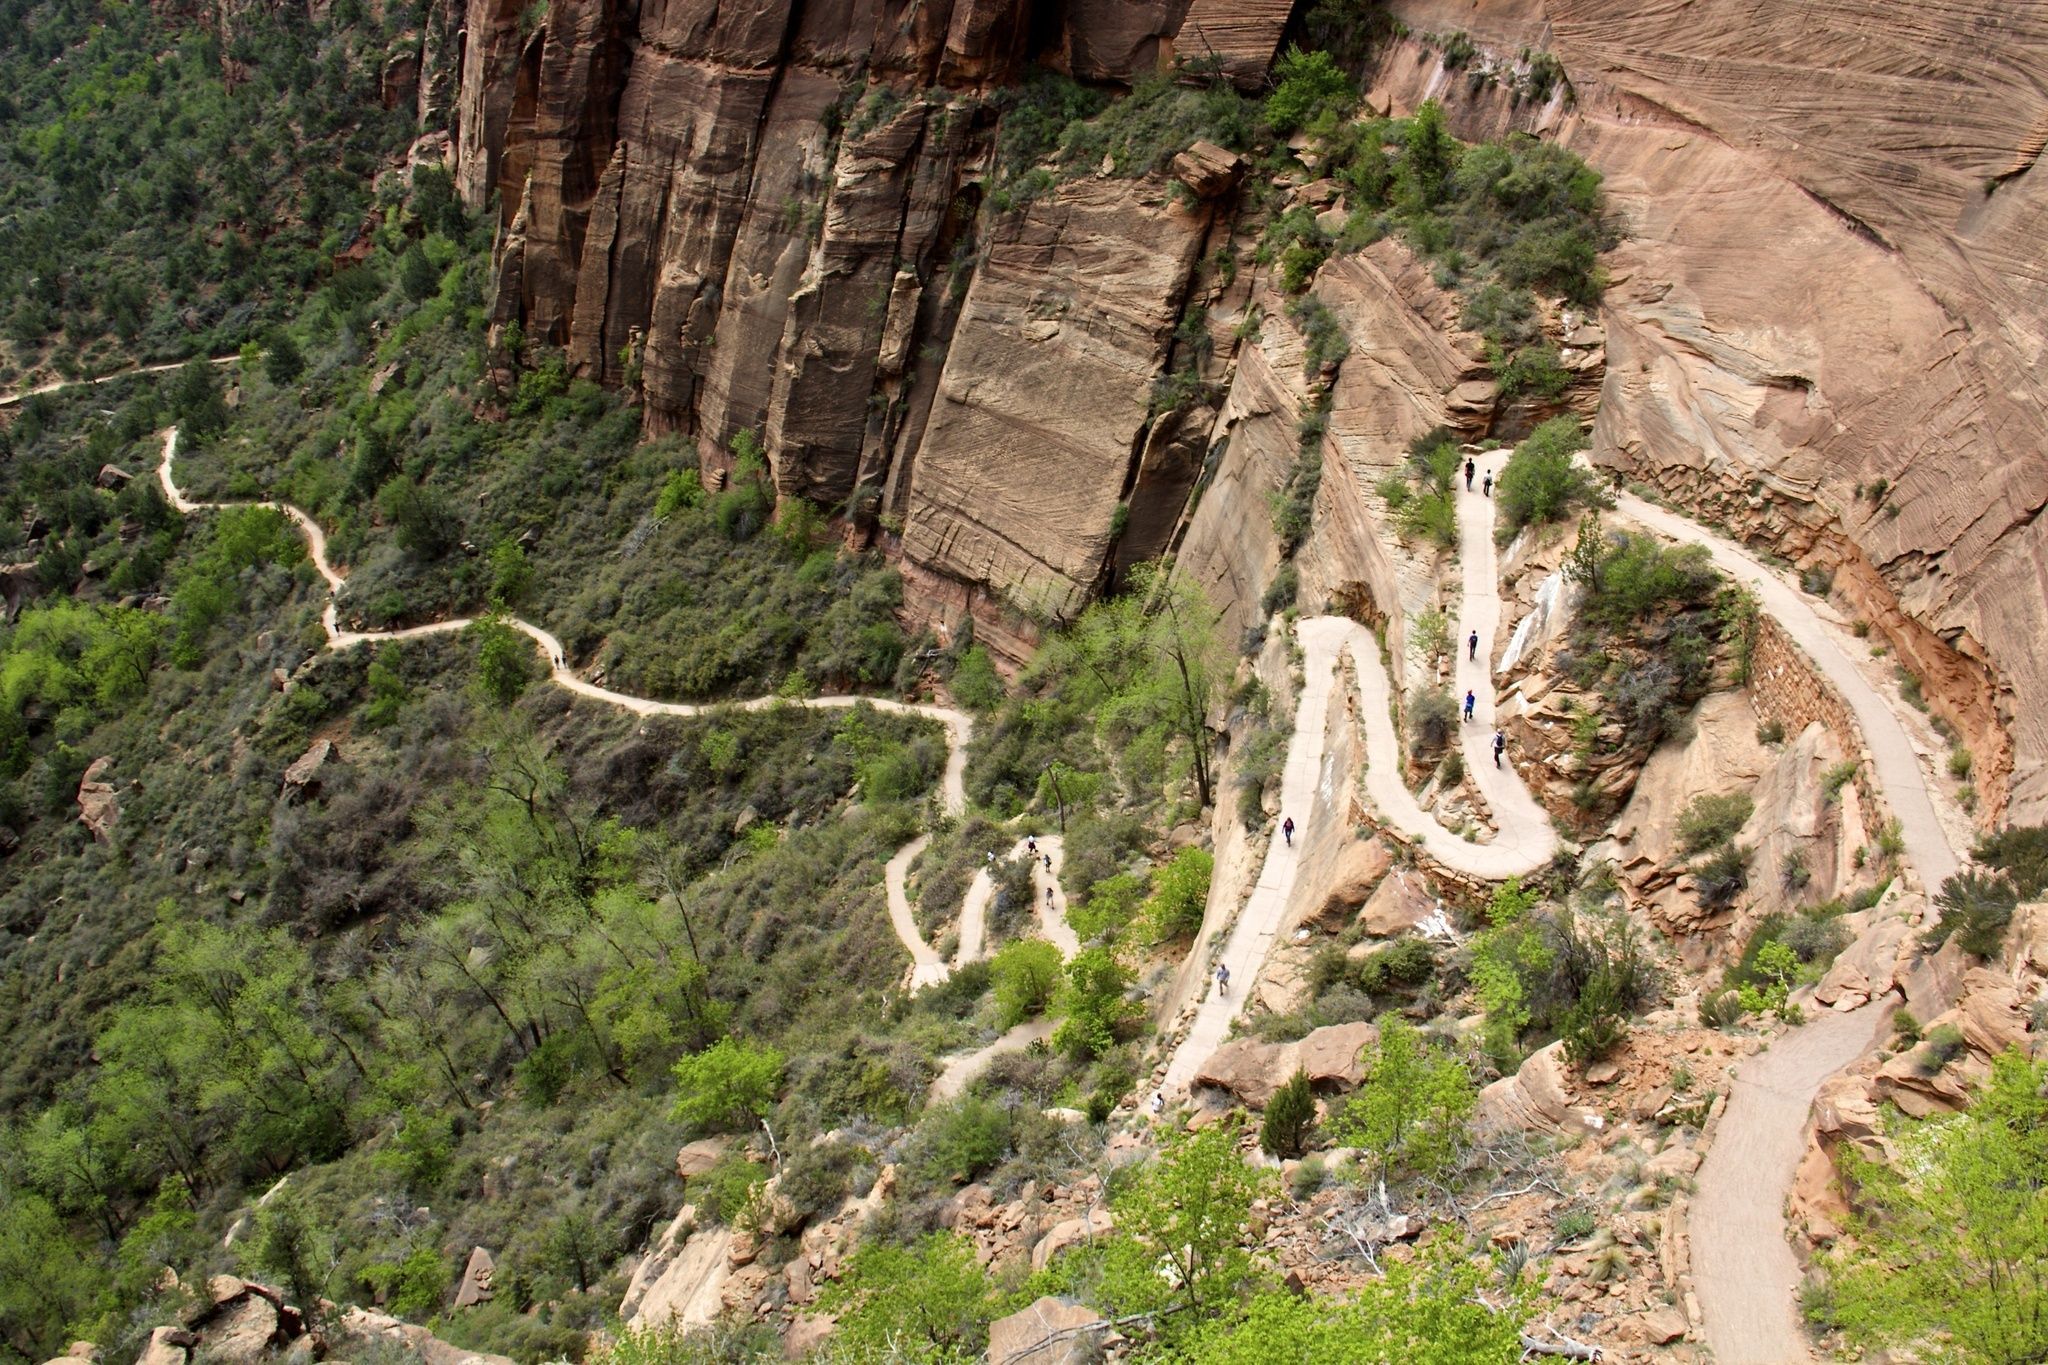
(1208, 170)
(367, 1328)
(1070, 1233)
(804, 1335)
(697, 1157)
(1661, 1326)
(1048, 1332)
(1252, 1070)
(1359, 869)
(243, 1330)
(168, 1346)
(98, 808)
(1536, 1097)
(1400, 904)
(1673, 1163)
(112, 476)
(303, 776)
(475, 1285)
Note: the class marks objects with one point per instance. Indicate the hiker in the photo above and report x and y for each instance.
(1048, 898)
(1487, 483)
(1222, 979)
(1031, 845)
(1470, 469)
(1158, 1103)
(1472, 646)
(1471, 700)
(1048, 864)
(1500, 742)
(1287, 830)
(991, 858)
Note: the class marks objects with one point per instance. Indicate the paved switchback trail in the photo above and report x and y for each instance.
(1744, 1271)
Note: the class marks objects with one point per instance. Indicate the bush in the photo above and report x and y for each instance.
(725, 1192)
(504, 660)
(1541, 482)
(1403, 965)
(1307, 85)
(1944, 1045)
(729, 1085)
(1534, 370)
(1722, 1009)
(1026, 972)
(1289, 1115)
(1180, 894)
(1976, 908)
(975, 683)
(1323, 342)
(958, 1141)
(1722, 877)
(1708, 820)
(2021, 852)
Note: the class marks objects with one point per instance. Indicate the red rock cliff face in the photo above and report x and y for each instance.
(1833, 280)
(771, 214)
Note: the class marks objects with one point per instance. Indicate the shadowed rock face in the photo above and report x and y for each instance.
(1832, 277)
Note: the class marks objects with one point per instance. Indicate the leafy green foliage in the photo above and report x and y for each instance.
(1180, 894)
(1435, 1311)
(1712, 818)
(1951, 1236)
(729, 1085)
(1308, 86)
(1976, 909)
(1093, 1011)
(1410, 1115)
(1026, 972)
(1540, 482)
(931, 1302)
(1185, 1211)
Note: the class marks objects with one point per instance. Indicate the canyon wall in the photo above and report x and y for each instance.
(1822, 330)
(1827, 312)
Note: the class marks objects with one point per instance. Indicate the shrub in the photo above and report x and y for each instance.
(1180, 894)
(1323, 342)
(1722, 1009)
(1708, 820)
(725, 1192)
(1976, 908)
(975, 683)
(1307, 84)
(1959, 764)
(1722, 877)
(1573, 1225)
(1026, 972)
(1541, 482)
(2021, 852)
(729, 1085)
(1289, 1115)
(1597, 1021)
(1431, 516)
(504, 660)
(1944, 1044)
(1838, 777)
(958, 1141)
(1533, 370)
(1398, 966)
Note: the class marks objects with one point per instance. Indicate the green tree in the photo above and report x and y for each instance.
(928, 1303)
(1290, 1113)
(1148, 665)
(1026, 972)
(416, 274)
(1950, 1258)
(1308, 84)
(283, 361)
(46, 1281)
(729, 1085)
(511, 573)
(1182, 1241)
(1541, 482)
(1411, 1113)
(1091, 1004)
(290, 1246)
(504, 659)
(1180, 894)
(1428, 1312)
(1429, 156)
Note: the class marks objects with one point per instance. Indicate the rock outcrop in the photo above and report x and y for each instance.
(1253, 1070)
(98, 808)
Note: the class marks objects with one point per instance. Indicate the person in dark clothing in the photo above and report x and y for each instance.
(1500, 744)
(1471, 700)
(1287, 830)
(1472, 645)
(1487, 483)
(1470, 469)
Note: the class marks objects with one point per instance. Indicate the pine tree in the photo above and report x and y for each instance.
(1289, 1116)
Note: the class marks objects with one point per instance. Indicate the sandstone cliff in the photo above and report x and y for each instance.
(1826, 315)
(774, 217)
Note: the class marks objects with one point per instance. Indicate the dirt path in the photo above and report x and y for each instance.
(8, 400)
(1743, 1268)
(925, 964)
